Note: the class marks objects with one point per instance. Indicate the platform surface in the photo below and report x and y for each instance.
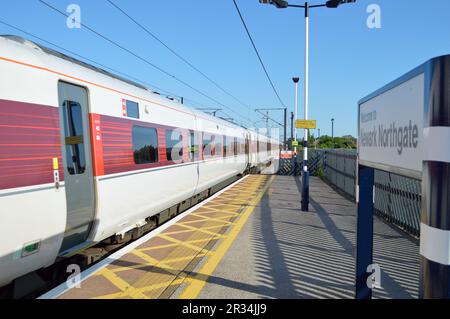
(253, 241)
(283, 252)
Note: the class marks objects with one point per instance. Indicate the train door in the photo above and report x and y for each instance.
(247, 149)
(77, 160)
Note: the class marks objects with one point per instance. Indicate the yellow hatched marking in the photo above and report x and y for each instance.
(144, 289)
(216, 210)
(163, 272)
(185, 243)
(177, 244)
(158, 247)
(216, 217)
(155, 262)
(120, 283)
(198, 281)
(161, 285)
(201, 230)
(163, 262)
(205, 218)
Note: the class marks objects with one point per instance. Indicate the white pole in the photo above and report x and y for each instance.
(305, 175)
(295, 115)
(305, 154)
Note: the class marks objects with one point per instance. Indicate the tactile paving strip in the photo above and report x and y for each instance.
(156, 268)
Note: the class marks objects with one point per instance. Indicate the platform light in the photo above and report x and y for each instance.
(284, 4)
(337, 3)
(278, 3)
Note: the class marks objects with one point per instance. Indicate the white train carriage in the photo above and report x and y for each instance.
(87, 156)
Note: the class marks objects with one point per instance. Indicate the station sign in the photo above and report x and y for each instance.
(305, 124)
(391, 126)
(404, 128)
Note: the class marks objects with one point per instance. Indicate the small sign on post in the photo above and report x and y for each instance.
(305, 124)
(286, 154)
(294, 143)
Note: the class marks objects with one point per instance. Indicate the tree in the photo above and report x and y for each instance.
(346, 142)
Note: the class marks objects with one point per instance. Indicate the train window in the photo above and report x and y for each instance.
(145, 145)
(218, 146)
(132, 109)
(174, 145)
(269, 148)
(235, 146)
(207, 145)
(193, 147)
(226, 146)
(73, 129)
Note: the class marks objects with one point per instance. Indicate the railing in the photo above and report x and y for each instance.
(397, 198)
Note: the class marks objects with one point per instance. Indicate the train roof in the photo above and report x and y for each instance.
(91, 67)
(71, 59)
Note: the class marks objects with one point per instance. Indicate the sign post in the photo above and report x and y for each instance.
(306, 125)
(364, 234)
(404, 128)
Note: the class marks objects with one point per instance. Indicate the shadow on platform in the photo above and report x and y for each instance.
(283, 252)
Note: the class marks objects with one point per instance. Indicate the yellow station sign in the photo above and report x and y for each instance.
(307, 124)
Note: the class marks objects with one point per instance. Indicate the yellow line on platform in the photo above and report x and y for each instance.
(198, 281)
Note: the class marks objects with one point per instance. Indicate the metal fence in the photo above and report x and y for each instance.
(397, 198)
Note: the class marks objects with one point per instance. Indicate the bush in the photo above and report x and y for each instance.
(320, 172)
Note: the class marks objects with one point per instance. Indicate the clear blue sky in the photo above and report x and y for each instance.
(348, 60)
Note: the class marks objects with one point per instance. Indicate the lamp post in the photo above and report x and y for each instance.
(292, 127)
(282, 4)
(332, 129)
(296, 80)
(295, 157)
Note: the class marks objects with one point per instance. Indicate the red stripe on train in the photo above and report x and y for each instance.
(29, 140)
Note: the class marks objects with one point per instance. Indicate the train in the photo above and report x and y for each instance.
(87, 156)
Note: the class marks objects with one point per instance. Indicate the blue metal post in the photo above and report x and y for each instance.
(364, 231)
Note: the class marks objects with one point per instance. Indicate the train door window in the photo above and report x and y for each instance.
(132, 109)
(174, 145)
(235, 146)
(269, 148)
(218, 146)
(73, 129)
(225, 146)
(228, 146)
(207, 145)
(213, 145)
(193, 147)
(145, 145)
(247, 146)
